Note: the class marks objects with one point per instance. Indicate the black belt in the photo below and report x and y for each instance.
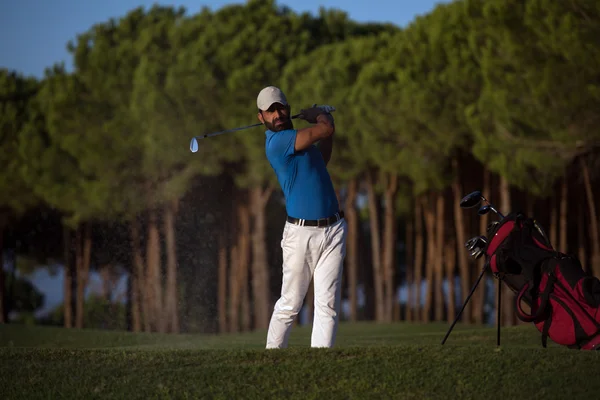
(317, 222)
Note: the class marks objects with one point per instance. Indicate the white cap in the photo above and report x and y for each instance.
(268, 96)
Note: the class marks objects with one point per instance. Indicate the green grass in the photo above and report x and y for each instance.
(370, 361)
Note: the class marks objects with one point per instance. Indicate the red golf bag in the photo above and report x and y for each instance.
(564, 301)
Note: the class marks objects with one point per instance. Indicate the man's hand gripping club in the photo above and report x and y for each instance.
(310, 114)
(323, 127)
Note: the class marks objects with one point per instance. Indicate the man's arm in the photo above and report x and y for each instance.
(324, 128)
(326, 146)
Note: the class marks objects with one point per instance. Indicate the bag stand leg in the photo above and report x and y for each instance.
(466, 301)
(499, 311)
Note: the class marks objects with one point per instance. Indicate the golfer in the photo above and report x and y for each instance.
(314, 235)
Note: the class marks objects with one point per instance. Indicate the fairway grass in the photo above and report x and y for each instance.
(370, 361)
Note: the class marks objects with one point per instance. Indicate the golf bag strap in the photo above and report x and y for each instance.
(593, 344)
(545, 297)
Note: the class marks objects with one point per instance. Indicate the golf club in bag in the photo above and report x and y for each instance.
(564, 302)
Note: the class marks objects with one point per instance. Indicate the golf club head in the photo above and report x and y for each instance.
(194, 145)
(492, 225)
(470, 244)
(471, 200)
(476, 246)
(484, 210)
(478, 241)
(477, 253)
(542, 232)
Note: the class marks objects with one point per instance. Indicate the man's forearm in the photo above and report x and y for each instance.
(326, 146)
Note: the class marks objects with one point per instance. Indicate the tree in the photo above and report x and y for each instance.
(22, 298)
(16, 197)
(91, 169)
(394, 142)
(53, 150)
(437, 83)
(160, 108)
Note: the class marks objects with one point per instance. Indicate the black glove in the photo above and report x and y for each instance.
(310, 114)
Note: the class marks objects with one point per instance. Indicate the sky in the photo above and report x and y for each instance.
(34, 35)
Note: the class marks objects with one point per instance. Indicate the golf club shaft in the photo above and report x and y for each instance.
(496, 211)
(499, 312)
(492, 207)
(234, 129)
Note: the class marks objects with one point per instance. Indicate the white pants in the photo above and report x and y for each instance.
(310, 252)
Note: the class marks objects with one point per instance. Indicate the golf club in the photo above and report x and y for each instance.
(194, 141)
(491, 226)
(476, 246)
(474, 198)
(484, 210)
(473, 242)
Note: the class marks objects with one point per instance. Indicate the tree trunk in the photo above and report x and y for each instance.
(439, 256)
(3, 317)
(581, 251)
(563, 226)
(10, 289)
(140, 299)
(593, 218)
(375, 248)
(233, 323)
(260, 273)
(244, 265)
(79, 291)
(134, 298)
(554, 220)
(479, 295)
(389, 248)
(459, 222)
(418, 266)
(409, 267)
(450, 263)
(222, 283)
(507, 295)
(431, 259)
(83, 251)
(154, 272)
(68, 279)
(171, 311)
(352, 256)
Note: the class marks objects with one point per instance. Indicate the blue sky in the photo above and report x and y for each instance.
(35, 34)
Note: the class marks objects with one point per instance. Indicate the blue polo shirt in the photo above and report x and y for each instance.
(303, 176)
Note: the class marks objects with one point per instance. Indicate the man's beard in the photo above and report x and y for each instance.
(273, 127)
